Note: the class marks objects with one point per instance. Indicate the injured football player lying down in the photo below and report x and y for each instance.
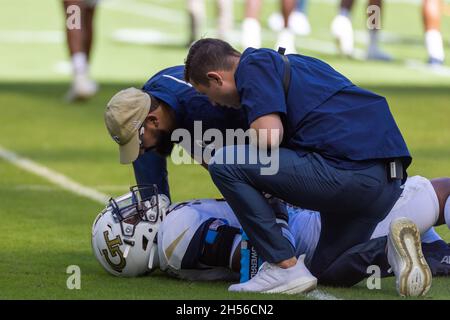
(202, 239)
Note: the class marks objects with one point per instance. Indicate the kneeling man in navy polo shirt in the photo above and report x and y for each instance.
(339, 151)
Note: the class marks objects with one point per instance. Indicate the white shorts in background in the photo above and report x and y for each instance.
(417, 202)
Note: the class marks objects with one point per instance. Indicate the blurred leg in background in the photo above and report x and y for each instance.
(251, 28)
(197, 17)
(342, 31)
(286, 36)
(342, 28)
(79, 42)
(374, 51)
(431, 12)
(298, 19)
(225, 19)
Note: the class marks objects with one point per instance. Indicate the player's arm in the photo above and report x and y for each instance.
(211, 245)
(151, 168)
(203, 247)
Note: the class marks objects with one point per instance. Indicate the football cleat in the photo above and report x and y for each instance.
(342, 31)
(286, 39)
(251, 33)
(404, 252)
(82, 88)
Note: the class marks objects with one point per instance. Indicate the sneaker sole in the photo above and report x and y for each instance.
(415, 278)
(295, 287)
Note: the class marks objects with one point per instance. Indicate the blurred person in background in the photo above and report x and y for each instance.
(79, 42)
(342, 31)
(431, 12)
(251, 27)
(197, 18)
(291, 21)
(298, 19)
(286, 36)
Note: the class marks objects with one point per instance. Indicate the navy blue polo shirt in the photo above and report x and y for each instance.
(189, 105)
(324, 111)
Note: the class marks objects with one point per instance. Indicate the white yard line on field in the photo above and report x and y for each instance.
(52, 176)
(51, 188)
(320, 295)
(147, 37)
(31, 36)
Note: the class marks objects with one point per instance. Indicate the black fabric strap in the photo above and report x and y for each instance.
(286, 83)
(287, 71)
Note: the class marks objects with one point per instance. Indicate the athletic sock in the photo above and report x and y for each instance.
(373, 39)
(447, 212)
(434, 45)
(79, 63)
(345, 12)
(251, 33)
(430, 236)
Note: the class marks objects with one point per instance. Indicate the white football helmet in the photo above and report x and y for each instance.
(124, 234)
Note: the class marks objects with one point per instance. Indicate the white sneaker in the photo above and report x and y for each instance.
(299, 23)
(412, 273)
(286, 39)
(251, 33)
(82, 88)
(276, 22)
(342, 31)
(273, 279)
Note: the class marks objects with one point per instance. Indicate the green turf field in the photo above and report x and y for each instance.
(44, 228)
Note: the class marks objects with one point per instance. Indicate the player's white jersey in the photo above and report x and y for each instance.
(178, 231)
(418, 202)
(183, 221)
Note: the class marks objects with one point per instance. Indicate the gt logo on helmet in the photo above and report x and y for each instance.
(114, 249)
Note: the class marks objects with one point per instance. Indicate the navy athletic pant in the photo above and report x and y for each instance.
(352, 266)
(351, 202)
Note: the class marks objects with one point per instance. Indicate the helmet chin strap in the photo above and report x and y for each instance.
(153, 261)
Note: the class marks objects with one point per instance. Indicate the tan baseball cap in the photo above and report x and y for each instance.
(124, 115)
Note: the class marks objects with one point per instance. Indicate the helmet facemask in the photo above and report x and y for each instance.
(141, 204)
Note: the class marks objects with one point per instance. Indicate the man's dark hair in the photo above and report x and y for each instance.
(205, 55)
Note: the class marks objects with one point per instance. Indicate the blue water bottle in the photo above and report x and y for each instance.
(250, 260)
